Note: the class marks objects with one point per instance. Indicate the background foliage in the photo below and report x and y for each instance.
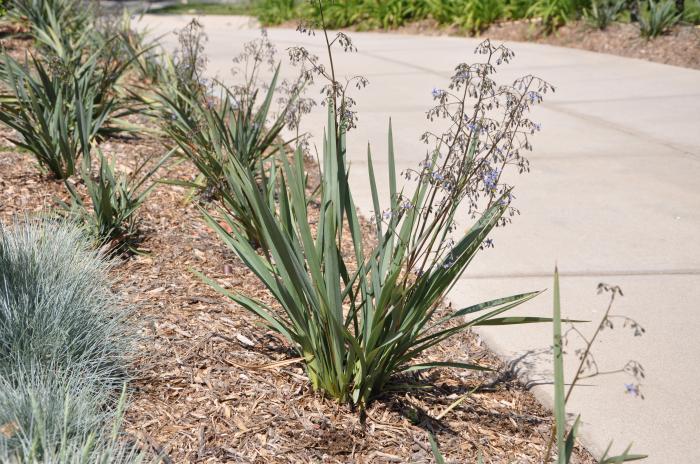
(470, 15)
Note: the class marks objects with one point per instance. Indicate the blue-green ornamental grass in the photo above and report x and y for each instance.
(64, 347)
(362, 320)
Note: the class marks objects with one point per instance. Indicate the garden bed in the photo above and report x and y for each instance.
(211, 386)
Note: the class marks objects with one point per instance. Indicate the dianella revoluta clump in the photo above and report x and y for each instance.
(361, 319)
(244, 121)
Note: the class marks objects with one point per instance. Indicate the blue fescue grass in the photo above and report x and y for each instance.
(64, 348)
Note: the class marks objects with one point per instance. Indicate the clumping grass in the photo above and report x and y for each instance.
(64, 347)
(56, 305)
(61, 417)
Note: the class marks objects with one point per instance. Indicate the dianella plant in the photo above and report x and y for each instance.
(110, 215)
(362, 318)
(58, 108)
(215, 126)
(560, 439)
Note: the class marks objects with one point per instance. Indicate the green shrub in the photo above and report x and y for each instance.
(602, 13)
(387, 14)
(657, 18)
(471, 15)
(479, 14)
(344, 14)
(516, 9)
(552, 13)
(691, 12)
(276, 11)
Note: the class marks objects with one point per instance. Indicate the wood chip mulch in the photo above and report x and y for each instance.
(211, 384)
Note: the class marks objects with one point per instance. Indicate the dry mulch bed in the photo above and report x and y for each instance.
(212, 385)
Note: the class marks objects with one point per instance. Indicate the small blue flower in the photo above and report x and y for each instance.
(632, 389)
(491, 179)
(438, 93)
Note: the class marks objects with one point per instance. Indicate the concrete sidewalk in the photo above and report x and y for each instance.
(613, 196)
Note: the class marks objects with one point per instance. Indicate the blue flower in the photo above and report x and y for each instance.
(491, 179)
(534, 97)
(632, 389)
(437, 93)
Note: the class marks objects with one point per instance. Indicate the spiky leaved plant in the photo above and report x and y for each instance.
(210, 129)
(360, 320)
(115, 197)
(58, 108)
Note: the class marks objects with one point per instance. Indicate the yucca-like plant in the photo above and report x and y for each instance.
(657, 18)
(214, 124)
(57, 108)
(356, 329)
(115, 198)
(359, 321)
(602, 13)
(72, 17)
(214, 133)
